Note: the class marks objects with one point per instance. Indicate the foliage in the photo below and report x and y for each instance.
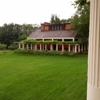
(22, 37)
(80, 2)
(27, 29)
(2, 46)
(53, 53)
(27, 77)
(80, 21)
(56, 20)
(13, 46)
(51, 42)
(10, 33)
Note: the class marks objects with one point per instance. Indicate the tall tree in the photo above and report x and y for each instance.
(80, 2)
(10, 33)
(55, 19)
(27, 29)
(80, 21)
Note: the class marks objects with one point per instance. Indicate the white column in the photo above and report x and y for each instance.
(75, 48)
(62, 40)
(78, 47)
(31, 46)
(62, 47)
(73, 39)
(19, 45)
(56, 47)
(93, 87)
(69, 47)
(35, 46)
(51, 47)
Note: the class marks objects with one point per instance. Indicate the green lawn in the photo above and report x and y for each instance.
(28, 77)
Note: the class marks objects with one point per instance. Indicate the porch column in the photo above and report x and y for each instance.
(79, 48)
(62, 40)
(35, 47)
(23, 46)
(62, 47)
(56, 47)
(51, 47)
(31, 46)
(19, 45)
(93, 87)
(75, 48)
(69, 47)
(73, 39)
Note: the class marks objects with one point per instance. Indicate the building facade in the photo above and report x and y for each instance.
(67, 39)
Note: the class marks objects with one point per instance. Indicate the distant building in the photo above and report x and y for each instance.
(56, 32)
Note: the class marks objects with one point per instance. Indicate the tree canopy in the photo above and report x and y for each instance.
(56, 20)
(10, 33)
(80, 21)
(80, 2)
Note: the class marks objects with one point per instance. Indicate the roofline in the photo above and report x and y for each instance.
(54, 24)
(52, 38)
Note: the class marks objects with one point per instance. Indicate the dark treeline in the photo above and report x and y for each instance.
(10, 33)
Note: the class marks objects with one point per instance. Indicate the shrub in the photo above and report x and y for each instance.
(61, 53)
(71, 54)
(17, 51)
(53, 53)
(13, 46)
(3, 46)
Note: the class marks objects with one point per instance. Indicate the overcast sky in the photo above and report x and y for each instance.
(34, 11)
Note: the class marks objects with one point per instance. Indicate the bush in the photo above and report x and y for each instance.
(3, 46)
(13, 46)
(71, 54)
(53, 53)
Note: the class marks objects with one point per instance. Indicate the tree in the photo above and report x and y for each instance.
(55, 19)
(10, 33)
(80, 21)
(80, 2)
(27, 29)
(64, 21)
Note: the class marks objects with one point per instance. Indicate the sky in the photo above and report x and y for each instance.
(34, 11)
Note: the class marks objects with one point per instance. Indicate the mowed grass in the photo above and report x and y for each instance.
(28, 77)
